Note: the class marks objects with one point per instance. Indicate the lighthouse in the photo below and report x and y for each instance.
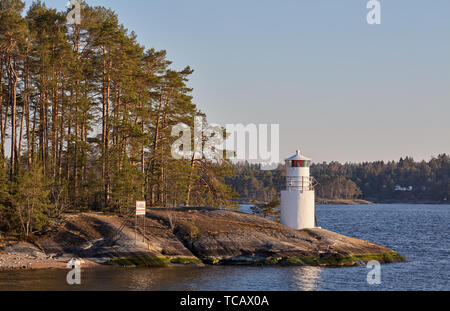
(298, 200)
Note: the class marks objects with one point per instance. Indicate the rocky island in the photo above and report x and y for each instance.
(186, 236)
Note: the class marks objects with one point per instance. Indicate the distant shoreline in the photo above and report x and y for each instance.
(413, 202)
(343, 202)
(322, 201)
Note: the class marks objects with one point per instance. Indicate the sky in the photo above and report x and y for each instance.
(341, 89)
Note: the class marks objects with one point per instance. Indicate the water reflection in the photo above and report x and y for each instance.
(307, 278)
(171, 278)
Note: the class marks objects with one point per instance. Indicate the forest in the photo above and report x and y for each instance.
(403, 181)
(86, 114)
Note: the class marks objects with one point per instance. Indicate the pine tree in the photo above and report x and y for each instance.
(14, 30)
(5, 199)
(31, 199)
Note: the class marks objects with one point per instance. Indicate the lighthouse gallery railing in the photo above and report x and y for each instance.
(300, 183)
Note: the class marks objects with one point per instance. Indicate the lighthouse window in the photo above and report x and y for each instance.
(300, 163)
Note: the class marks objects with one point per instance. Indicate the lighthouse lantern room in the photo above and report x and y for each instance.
(298, 200)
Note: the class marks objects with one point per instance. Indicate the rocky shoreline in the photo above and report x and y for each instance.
(187, 236)
(342, 202)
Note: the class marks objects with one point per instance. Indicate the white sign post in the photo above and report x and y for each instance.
(140, 211)
(140, 208)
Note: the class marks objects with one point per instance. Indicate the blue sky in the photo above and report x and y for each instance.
(339, 88)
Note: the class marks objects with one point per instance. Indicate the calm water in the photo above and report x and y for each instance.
(419, 232)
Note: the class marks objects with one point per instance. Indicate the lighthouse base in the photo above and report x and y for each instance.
(297, 209)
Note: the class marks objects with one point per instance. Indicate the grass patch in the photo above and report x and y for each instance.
(272, 260)
(292, 261)
(185, 260)
(194, 232)
(383, 258)
(342, 261)
(133, 262)
(211, 261)
(140, 262)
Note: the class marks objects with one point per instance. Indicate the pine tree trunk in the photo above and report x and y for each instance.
(19, 148)
(55, 125)
(151, 171)
(14, 78)
(61, 130)
(2, 133)
(33, 137)
(27, 112)
(105, 127)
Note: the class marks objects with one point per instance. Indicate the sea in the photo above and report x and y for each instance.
(419, 232)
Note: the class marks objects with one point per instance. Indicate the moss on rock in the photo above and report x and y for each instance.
(153, 261)
(211, 261)
(185, 260)
(336, 261)
(331, 261)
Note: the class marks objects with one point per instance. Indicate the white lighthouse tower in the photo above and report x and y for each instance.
(298, 200)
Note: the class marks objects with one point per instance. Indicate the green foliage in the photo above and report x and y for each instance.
(140, 261)
(271, 209)
(211, 261)
(185, 260)
(253, 184)
(194, 232)
(153, 261)
(272, 260)
(126, 186)
(6, 211)
(30, 197)
(4, 182)
(337, 187)
(12, 25)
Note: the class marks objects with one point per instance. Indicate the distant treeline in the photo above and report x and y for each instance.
(402, 181)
